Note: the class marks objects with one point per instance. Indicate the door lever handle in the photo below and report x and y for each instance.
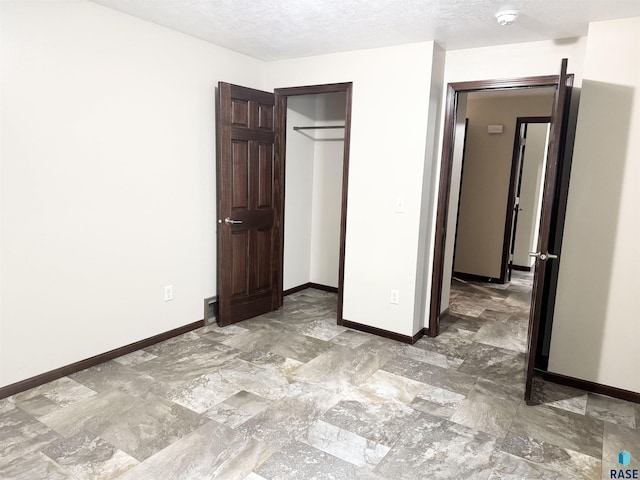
(228, 221)
(543, 256)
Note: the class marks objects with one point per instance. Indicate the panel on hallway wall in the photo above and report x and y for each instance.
(298, 195)
(486, 176)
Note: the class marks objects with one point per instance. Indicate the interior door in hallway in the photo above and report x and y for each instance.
(550, 196)
(249, 256)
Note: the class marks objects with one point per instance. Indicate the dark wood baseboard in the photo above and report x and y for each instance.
(521, 268)
(46, 377)
(476, 278)
(383, 333)
(304, 286)
(326, 288)
(590, 386)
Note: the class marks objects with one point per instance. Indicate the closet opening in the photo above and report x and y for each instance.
(312, 140)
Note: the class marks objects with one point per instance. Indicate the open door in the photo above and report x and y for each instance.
(249, 257)
(557, 139)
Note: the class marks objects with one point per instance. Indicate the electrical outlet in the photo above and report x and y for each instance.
(395, 296)
(168, 293)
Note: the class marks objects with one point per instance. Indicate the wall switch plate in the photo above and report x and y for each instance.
(168, 293)
(400, 205)
(395, 296)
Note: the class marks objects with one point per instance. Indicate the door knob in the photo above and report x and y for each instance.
(228, 221)
(543, 256)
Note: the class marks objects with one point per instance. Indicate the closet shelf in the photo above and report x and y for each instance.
(322, 127)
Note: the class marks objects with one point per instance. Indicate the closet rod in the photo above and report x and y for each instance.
(324, 127)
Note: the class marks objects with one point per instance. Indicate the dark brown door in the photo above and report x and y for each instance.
(248, 237)
(557, 138)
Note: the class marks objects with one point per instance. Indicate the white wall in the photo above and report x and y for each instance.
(533, 169)
(504, 61)
(327, 190)
(596, 329)
(108, 180)
(389, 123)
(298, 198)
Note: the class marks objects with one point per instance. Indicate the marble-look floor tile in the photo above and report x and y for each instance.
(290, 345)
(452, 343)
(61, 392)
(181, 345)
(564, 462)
(301, 461)
(264, 382)
(321, 398)
(374, 418)
(37, 406)
(187, 361)
(114, 375)
(461, 322)
(499, 365)
(434, 358)
(351, 338)
(339, 368)
(436, 448)
(135, 358)
(617, 438)
(35, 466)
(89, 457)
(345, 444)
(467, 307)
(323, 328)
(489, 314)
(281, 423)
(254, 476)
(559, 396)
(559, 427)
(509, 467)
(392, 387)
(237, 409)
(437, 401)
(298, 347)
(206, 452)
(273, 361)
(6, 406)
(426, 373)
(611, 410)
(509, 335)
(139, 428)
(21, 434)
(202, 393)
(488, 407)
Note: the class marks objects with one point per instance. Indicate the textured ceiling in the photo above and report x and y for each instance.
(277, 29)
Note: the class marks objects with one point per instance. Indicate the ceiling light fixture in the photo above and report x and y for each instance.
(507, 17)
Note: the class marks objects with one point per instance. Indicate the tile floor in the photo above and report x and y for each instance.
(291, 395)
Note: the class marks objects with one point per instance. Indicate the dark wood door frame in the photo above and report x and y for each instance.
(453, 90)
(510, 224)
(280, 161)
